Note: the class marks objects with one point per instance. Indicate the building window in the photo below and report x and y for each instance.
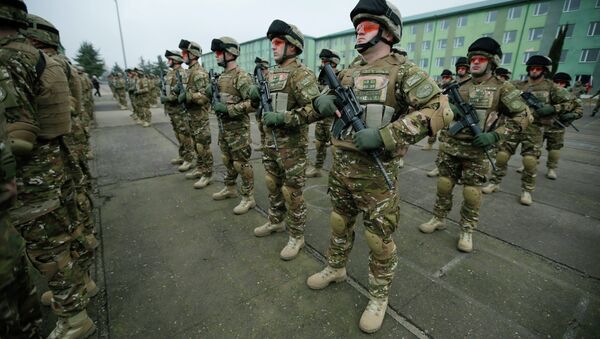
(426, 44)
(514, 13)
(570, 28)
(461, 22)
(506, 58)
(442, 43)
(413, 29)
(536, 33)
(424, 63)
(594, 29)
(597, 3)
(453, 60)
(571, 5)
(428, 27)
(487, 35)
(528, 55)
(509, 36)
(563, 55)
(439, 62)
(444, 24)
(459, 42)
(410, 47)
(589, 55)
(523, 77)
(540, 9)
(491, 16)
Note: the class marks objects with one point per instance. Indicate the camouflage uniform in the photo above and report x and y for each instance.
(554, 134)
(322, 132)
(120, 90)
(143, 95)
(178, 117)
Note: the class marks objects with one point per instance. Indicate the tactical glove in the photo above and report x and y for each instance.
(220, 109)
(568, 118)
(208, 91)
(164, 99)
(486, 139)
(367, 139)
(325, 105)
(545, 111)
(182, 97)
(254, 94)
(271, 119)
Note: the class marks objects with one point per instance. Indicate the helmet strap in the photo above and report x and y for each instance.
(361, 48)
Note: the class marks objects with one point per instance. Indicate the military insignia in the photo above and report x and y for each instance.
(277, 81)
(424, 91)
(2, 94)
(413, 79)
(515, 105)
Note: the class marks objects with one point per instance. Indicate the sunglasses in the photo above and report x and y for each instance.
(367, 27)
(536, 69)
(276, 42)
(479, 59)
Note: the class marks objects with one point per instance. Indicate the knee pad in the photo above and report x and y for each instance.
(529, 162)
(199, 147)
(338, 223)
(445, 185)
(318, 144)
(502, 158)
(238, 166)
(472, 195)
(553, 155)
(225, 159)
(292, 196)
(271, 182)
(380, 248)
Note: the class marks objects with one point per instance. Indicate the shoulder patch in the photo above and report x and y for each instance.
(424, 91)
(414, 79)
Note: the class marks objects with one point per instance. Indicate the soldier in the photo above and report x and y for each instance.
(461, 157)
(111, 84)
(557, 102)
(37, 119)
(503, 73)
(323, 127)
(355, 183)
(263, 64)
(119, 85)
(578, 89)
(178, 116)
(234, 132)
(198, 106)
(130, 86)
(292, 86)
(597, 107)
(446, 79)
(143, 93)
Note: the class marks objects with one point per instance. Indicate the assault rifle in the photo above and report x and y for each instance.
(216, 96)
(467, 117)
(536, 104)
(181, 89)
(350, 112)
(265, 99)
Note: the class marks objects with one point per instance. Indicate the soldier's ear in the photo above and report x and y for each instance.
(387, 35)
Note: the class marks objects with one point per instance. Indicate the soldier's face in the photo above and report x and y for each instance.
(366, 30)
(446, 79)
(278, 48)
(186, 57)
(461, 71)
(219, 55)
(535, 72)
(561, 84)
(479, 65)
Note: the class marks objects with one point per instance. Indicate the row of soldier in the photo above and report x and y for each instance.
(143, 89)
(46, 214)
(401, 106)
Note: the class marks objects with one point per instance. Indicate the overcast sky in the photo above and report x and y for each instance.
(151, 26)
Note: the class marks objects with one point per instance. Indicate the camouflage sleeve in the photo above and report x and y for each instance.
(243, 84)
(514, 108)
(199, 81)
(141, 87)
(420, 92)
(306, 89)
(565, 102)
(75, 86)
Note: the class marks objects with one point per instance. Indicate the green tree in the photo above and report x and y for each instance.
(116, 68)
(89, 58)
(556, 49)
(161, 66)
(145, 66)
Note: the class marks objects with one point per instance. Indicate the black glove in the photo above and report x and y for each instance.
(545, 110)
(567, 118)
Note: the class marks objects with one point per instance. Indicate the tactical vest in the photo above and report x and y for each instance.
(485, 98)
(228, 87)
(542, 91)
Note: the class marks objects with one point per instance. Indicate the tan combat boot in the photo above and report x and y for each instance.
(520, 169)
(268, 228)
(401, 163)
(427, 147)
(184, 167)
(290, 251)
(77, 326)
(203, 182)
(123, 107)
(177, 161)
(490, 188)
(322, 279)
(226, 193)
(465, 241)
(526, 198)
(433, 173)
(372, 317)
(195, 174)
(145, 124)
(551, 174)
(432, 225)
(90, 286)
(313, 172)
(245, 205)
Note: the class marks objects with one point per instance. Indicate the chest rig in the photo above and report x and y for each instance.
(278, 80)
(228, 87)
(542, 92)
(484, 98)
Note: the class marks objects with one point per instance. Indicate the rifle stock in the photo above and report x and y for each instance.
(265, 99)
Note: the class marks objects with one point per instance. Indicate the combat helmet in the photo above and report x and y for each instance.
(539, 60)
(330, 55)
(14, 12)
(262, 63)
(562, 77)
(174, 55)
(226, 44)
(487, 47)
(383, 12)
(191, 47)
(462, 61)
(446, 72)
(290, 33)
(43, 31)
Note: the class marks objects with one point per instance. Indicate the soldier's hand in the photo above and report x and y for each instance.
(208, 91)
(568, 118)
(254, 94)
(545, 111)
(220, 109)
(182, 97)
(271, 119)
(325, 105)
(367, 139)
(164, 99)
(486, 139)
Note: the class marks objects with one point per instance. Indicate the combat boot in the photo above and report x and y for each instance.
(322, 279)
(432, 225)
(123, 107)
(465, 242)
(195, 174)
(184, 167)
(312, 172)
(290, 251)
(520, 169)
(372, 317)
(203, 182)
(89, 155)
(177, 161)
(226, 193)
(427, 147)
(145, 124)
(526, 198)
(77, 326)
(268, 228)
(433, 173)
(490, 188)
(551, 174)
(245, 205)
(90, 286)
(401, 163)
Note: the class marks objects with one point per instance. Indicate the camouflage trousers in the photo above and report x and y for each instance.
(121, 97)
(200, 131)
(460, 162)
(182, 133)
(235, 153)
(143, 106)
(285, 181)
(356, 186)
(432, 139)
(555, 140)
(597, 107)
(322, 137)
(531, 140)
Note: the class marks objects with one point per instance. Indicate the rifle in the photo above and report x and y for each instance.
(163, 89)
(180, 89)
(216, 96)
(265, 99)
(534, 103)
(468, 117)
(350, 112)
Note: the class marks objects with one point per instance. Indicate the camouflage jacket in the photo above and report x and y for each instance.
(172, 87)
(234, 85)
(293, 87)
(119, 83)
(197, 81)
(142, 86)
